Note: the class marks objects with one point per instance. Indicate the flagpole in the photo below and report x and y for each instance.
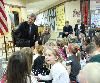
(5, 47)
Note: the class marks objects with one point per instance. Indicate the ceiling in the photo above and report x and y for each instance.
(32, 1)
(34, 6)
(37, 5)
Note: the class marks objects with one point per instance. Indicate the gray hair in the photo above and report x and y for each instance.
(33, 15)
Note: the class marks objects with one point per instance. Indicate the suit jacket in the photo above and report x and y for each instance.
(82, 28)
(68, 29)
(23, 32)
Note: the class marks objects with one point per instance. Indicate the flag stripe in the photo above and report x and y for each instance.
(4, 25)
(3, 30)
(1, 5)
(3, 13)
(2, 2)
(5, 22)
(3, 9)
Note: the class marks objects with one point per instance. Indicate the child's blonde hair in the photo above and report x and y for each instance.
(60, 42)
(39, 49)
(65, 41)
(50, 44)
(55, 53)
(29, 54)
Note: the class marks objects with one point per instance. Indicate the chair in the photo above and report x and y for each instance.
(9, 45)
(3, 47)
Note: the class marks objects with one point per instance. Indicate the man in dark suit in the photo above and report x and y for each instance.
(67, 29)
(79, 28)
(28, 31)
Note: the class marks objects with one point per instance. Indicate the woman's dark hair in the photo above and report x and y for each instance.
(39, 49)
(17, 68)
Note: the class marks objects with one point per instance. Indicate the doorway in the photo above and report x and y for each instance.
(16, 18)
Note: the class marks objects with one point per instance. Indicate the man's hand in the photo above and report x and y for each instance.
(66, 33)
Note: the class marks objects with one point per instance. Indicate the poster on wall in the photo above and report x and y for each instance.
(47, 18)
(39, 19)
(60, 17)
(95, 18)
(95, 12)
(52, 18)
(76, 13)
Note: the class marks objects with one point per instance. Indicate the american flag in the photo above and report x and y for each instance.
(3, 20)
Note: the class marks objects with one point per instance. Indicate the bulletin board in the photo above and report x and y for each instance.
(60, 16)
(95, 18)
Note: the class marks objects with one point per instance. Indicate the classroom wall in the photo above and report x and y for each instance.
(23, 13)
(64, 12)
(70, 9)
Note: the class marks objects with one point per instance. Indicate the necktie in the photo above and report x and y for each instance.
(30, 30)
